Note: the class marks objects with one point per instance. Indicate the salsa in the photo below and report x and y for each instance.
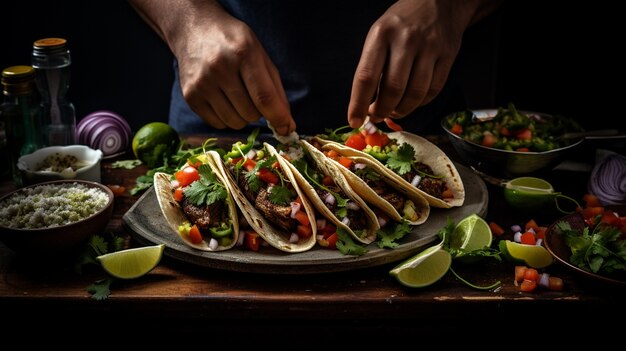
(513, 130)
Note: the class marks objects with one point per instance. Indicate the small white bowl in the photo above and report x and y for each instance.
(90, 170)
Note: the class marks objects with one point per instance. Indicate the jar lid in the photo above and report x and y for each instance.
(50, 47)
(18, 80)
(49, 42)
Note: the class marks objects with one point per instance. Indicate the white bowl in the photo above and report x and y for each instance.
(88, 157)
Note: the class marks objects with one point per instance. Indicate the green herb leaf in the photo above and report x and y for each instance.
(101, 289)
(126, 164)
(280, 195)
(388, 238)
(346, 245)
(401, 161)
(207, 190)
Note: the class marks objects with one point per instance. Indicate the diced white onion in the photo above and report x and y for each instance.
(416, 180)
(370, 127)
(295, 207)
(358, 166)
(241, 237)
(531, 230)
(294, 238)
(213, 244)
(319, 237)
(382, 221)
(538, 242)
(175, 184)
(517, 237)
(329, 199)
(516, 228)
(320, 223)
(346, 221)
(544, 280)
(351, 205)
(251, 154)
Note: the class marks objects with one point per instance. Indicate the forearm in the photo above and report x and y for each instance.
(172, 20)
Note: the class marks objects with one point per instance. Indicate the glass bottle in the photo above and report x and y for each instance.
(20, 115)
(51, 60)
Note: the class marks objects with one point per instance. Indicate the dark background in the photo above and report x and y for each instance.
(560, 59)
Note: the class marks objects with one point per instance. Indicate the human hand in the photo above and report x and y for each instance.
(406, 58)
(228, 79)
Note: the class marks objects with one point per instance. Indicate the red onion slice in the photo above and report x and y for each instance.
(106, 131)
(608, 180)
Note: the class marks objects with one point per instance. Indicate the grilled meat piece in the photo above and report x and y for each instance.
(205, 217)
(280, 215)
(432, 186)
(388, 193)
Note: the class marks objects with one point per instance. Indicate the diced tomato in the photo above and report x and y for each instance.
(235, 160)
(249, 165)
(345, 161)
(178, 194)
(356, 141)
(532, 224)
(304, 231)
(395, 126)
(540, 233)
(528, 285)
(591, 200)
(194, 235)
(555, 283)
(298, 200)
(608, 217)
(253, 240)
(329, 229)
(457, 129)
(276, 165)
(117, 190)
(447, 194)
(196, 164)
(328, 180)
(524, 134)
(187, 176)
(496, 229)
(522, 149)
(589, 213)
(504, 131)
(528, 238)
(377, 139)
(302, 218)
(267, 176)
(519, 273)
(332, 241)
(331, 154)
(489, 140)
(531, 274)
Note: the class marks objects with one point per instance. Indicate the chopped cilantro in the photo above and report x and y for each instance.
(280, 195)
(601, 250)
(126, 164)
(401, 161)
(100, 289)
(207, 190)
(346, 245)
(388, 238)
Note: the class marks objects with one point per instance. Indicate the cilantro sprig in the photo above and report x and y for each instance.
(601, 250)
(207, 190)
(402, 161)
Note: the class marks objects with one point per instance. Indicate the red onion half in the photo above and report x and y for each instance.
(608, 180)
(106, 131)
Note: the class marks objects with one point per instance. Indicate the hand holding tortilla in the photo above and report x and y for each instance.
(410, 160)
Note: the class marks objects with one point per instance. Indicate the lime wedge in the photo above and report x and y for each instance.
(423, 269)
(530, 255)
(132, 263)
(471, 233)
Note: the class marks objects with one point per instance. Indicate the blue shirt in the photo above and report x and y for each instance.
(316, 47)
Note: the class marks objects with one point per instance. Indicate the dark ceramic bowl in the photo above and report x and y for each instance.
(509, 163)
(55, 240)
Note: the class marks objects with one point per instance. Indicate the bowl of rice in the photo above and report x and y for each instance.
(54, 217)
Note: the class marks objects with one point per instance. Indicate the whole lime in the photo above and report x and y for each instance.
(155, 142)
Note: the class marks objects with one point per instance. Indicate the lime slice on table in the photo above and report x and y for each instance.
(534, 256)
(132, 263)
(471, 233)
(423, 269)
(529, 193)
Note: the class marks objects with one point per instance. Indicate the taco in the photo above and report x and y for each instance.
(269, 198)
(410, 160)
(205, 215)
(380, 190)
(329, 191)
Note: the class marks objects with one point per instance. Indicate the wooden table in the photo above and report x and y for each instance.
(190, 299)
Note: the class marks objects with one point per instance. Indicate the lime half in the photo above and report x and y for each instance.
(423, 269)
(132, 263)
(529, 193)
(471, 233)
